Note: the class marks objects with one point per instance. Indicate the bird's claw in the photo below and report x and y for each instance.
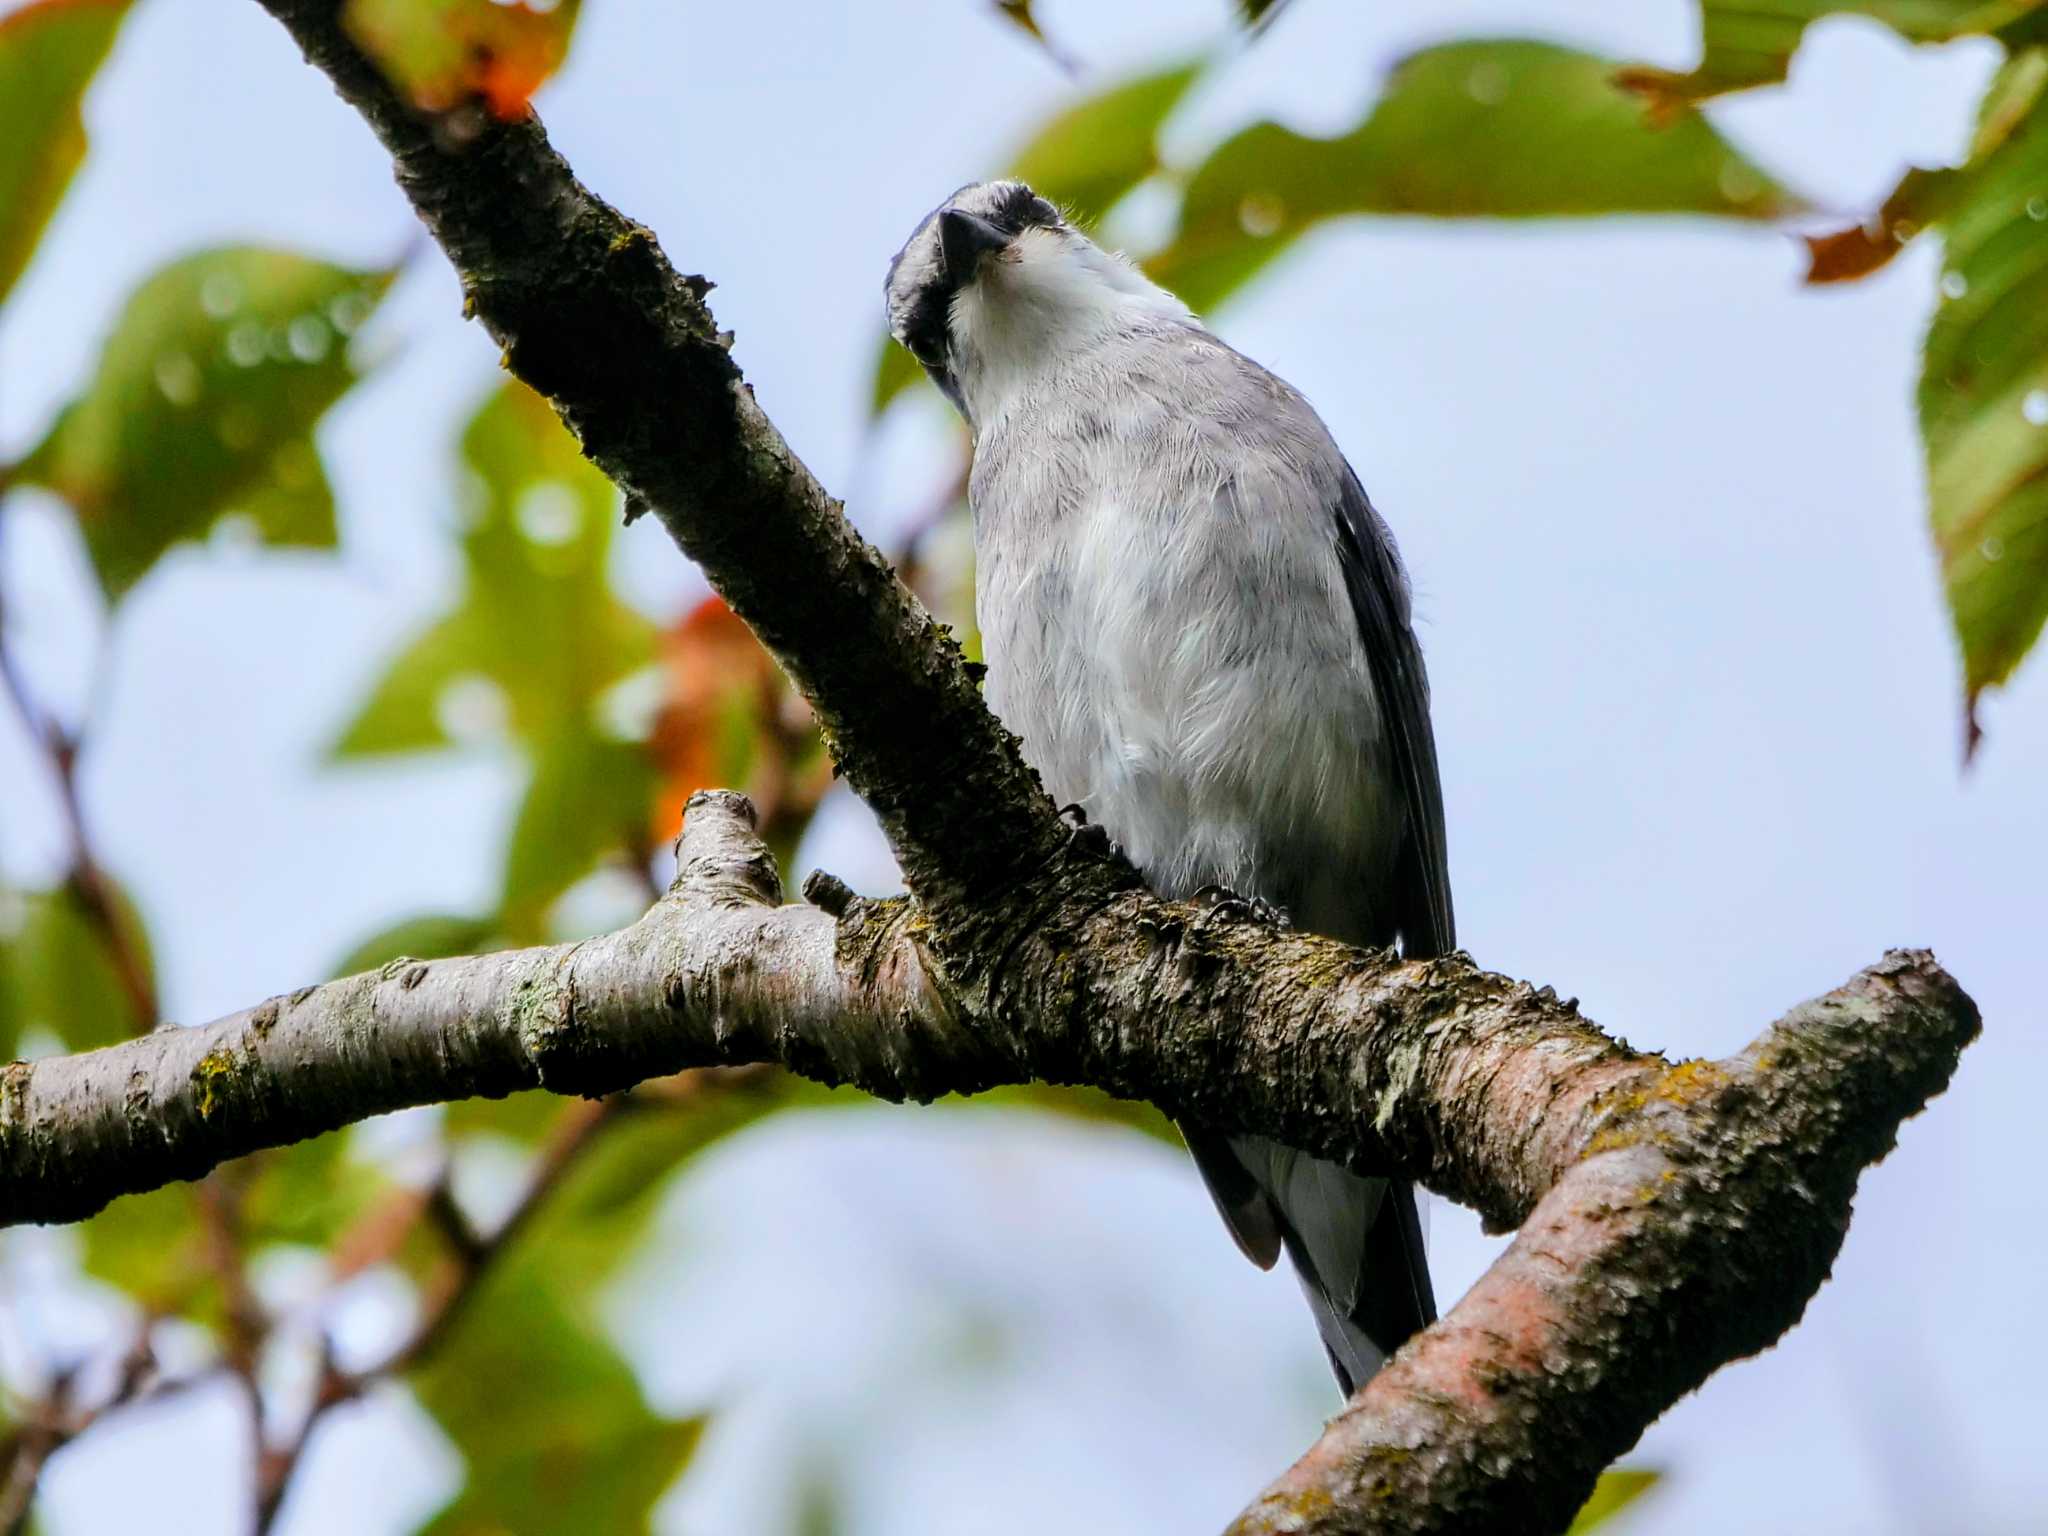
(1089, 836)
(1221, 902)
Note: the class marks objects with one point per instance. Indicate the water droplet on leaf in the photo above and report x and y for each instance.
(179, 378)
(1261, 214)
(244, 345)
(549, 513)
(308, 338)
(1954, 285)
(347, 311)
(1738, 183)
(2035, 407)
(1992, 549)
(1487, 83)
(472, 708)
(236, 533)
(220, 294)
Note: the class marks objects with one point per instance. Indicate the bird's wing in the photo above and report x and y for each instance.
(1421, 898)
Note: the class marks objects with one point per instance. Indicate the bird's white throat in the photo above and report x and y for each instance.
(1043, 303)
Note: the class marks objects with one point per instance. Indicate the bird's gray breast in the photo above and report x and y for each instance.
(1167, 629)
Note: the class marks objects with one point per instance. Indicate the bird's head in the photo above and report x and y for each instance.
(995, 285)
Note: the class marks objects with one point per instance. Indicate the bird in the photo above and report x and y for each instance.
(1201, 631)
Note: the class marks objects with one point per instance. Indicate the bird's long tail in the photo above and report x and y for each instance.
(1355, 1242)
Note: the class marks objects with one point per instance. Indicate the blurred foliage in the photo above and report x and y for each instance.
(429, 936)
(1496, 129)
(201, 413)
(729, 719)
(528, 655)
(203, 406)
(1255, 13)
(1500, 128)
(582, 1453)
(48, 54)
(1615, 1492)
(1984, 381)
(444, 53)
(1751, 42)
(59, 977)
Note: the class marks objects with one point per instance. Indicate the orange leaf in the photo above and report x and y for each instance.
(728, 720)
(443, 53)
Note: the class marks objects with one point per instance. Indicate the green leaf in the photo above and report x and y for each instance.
(49, 52)
(1019, 13)
(1089, 156)
(1493, 129)
(149, 1246)
(443, 53)
(1085, 159)
(307, 1193)
(589, 795)
(550, 1419)
(557, 1436)
(58, 973)
(203, 404)
(1984, 386)
(1615, 1492)
(429, 936)
(1745, 43)
(536, 640)
(1255, 13)
(537, 621)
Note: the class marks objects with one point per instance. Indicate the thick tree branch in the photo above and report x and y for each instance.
(591, 314)
(1673, 1217)
(1034, 953)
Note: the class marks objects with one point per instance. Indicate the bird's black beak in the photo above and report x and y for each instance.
(966, 238)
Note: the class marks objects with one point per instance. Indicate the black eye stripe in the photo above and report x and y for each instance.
(921, 313)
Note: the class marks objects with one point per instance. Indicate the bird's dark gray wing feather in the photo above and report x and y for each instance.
(1379, 598)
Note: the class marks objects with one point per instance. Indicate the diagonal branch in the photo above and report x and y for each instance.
(589, 312)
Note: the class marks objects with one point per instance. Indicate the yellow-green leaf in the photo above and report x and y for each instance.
(49, 52)
(552, 1425)
(1615, 1491)
(443, 53)
(538, 627)
(1984, 389)
(203, 404)
(528, 654)
(426, 937)
(1484, 129)
(589, 794)
(59, 975)
(1745, 43)
(1087, 157)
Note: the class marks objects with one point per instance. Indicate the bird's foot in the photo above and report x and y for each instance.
(1219, 901)
(1089, 836)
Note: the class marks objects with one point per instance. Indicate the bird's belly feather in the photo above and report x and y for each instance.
(1194, 680)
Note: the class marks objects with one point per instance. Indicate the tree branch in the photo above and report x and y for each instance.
(589, 312)
(1682, 1216)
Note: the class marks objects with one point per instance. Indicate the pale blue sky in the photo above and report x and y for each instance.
(1695, 704)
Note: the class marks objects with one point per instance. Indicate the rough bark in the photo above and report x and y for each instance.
(1676, 1217)
(1672, 1217)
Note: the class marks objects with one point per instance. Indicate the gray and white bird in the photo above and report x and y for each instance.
(1199, 627)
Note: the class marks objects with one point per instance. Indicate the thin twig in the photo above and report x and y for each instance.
(56, 1421)
(472, 1255)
